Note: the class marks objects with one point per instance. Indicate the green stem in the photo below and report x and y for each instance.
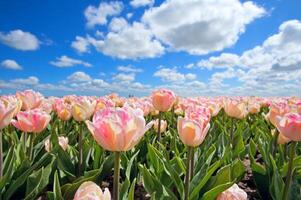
(275, 142)
(24, 141)
(192, 164)
(1, 156)
(31, 141)
(116, 176)
(172, 114)
(188, 172)
(232, 133)
(290, 170)
(159, 126)
(80, 150)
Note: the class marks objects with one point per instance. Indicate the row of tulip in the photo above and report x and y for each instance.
(53, 147)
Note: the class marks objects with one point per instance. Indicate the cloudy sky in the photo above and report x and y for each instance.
(194, 47)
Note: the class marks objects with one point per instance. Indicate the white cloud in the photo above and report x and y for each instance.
(281, 51)
(81, 44)
(32, 80)
(11, 64)
(140, 3)
(172, 75)
(117, 24)
(129, 68)
(124, 77)
(65, 61)
(204, 27)
(224, 60)
(99, 15)
(128, 42)
(79, 77)
(129, 15)
(20, 40)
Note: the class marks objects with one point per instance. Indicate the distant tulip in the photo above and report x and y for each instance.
(90, 191)
(235, 108)
(30, 99)
(192, 132)
(32, 121)
(7, 111)
(118, 129)
(63, 142)
(233, 193)
(163, 99)
(277, 110)
(290, 126)
(163, 125)
(83, 108)
(253, 107)
(299, 108)
(63, 109)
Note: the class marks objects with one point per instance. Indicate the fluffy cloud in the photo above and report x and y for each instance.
(20, 40)
(280, 51)
(65, 61)
(129, 68)
(11, 64)
(140, 3)
(79, 77)
(172, 75)
(126, 42)
(124, 77)
(206, 25)
(98, 15)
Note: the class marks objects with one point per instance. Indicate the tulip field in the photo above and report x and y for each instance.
(158, 147)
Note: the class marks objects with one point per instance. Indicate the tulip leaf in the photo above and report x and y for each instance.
(213, 193)
(57, 194)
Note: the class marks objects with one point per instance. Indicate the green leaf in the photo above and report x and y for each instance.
(57, 194)
(213, 193)
(132, 190)
(203, 180)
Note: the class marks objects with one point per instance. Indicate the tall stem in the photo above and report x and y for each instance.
(290, 170)
(24, 141)
(159, 126)
(1, 156)
(31, 141)
(116, 176)
(232, 133)
(188, 172)
(275, 142)
(192, 163)
(80, 150)
(172, 114)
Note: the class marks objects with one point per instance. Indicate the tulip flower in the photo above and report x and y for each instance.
(63, 109)
(192, 133)
(118, 129)
(233, 193)
(162, 100)
(90, 191)
(83, 108)
(235, 108)
(277, 110)
(30, 99)
(7, 111)
(31, 121)
(163, 125)
(290, 126)
(63, 142)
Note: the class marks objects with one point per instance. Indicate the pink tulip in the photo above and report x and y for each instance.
(299, 108)
(7, 111)
(12, 100)
(118, 129)
(34, 121)
(83, 108)
(163, 125)
(63, 109)
(235, 108)
(63, 142)
(30, 99)
(253, 107)
(290, 126)
(276, 110)
(233, 193)
(163, 99)
(90, 191)
(192, 132)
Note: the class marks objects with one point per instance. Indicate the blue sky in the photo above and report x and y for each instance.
(193, 47)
